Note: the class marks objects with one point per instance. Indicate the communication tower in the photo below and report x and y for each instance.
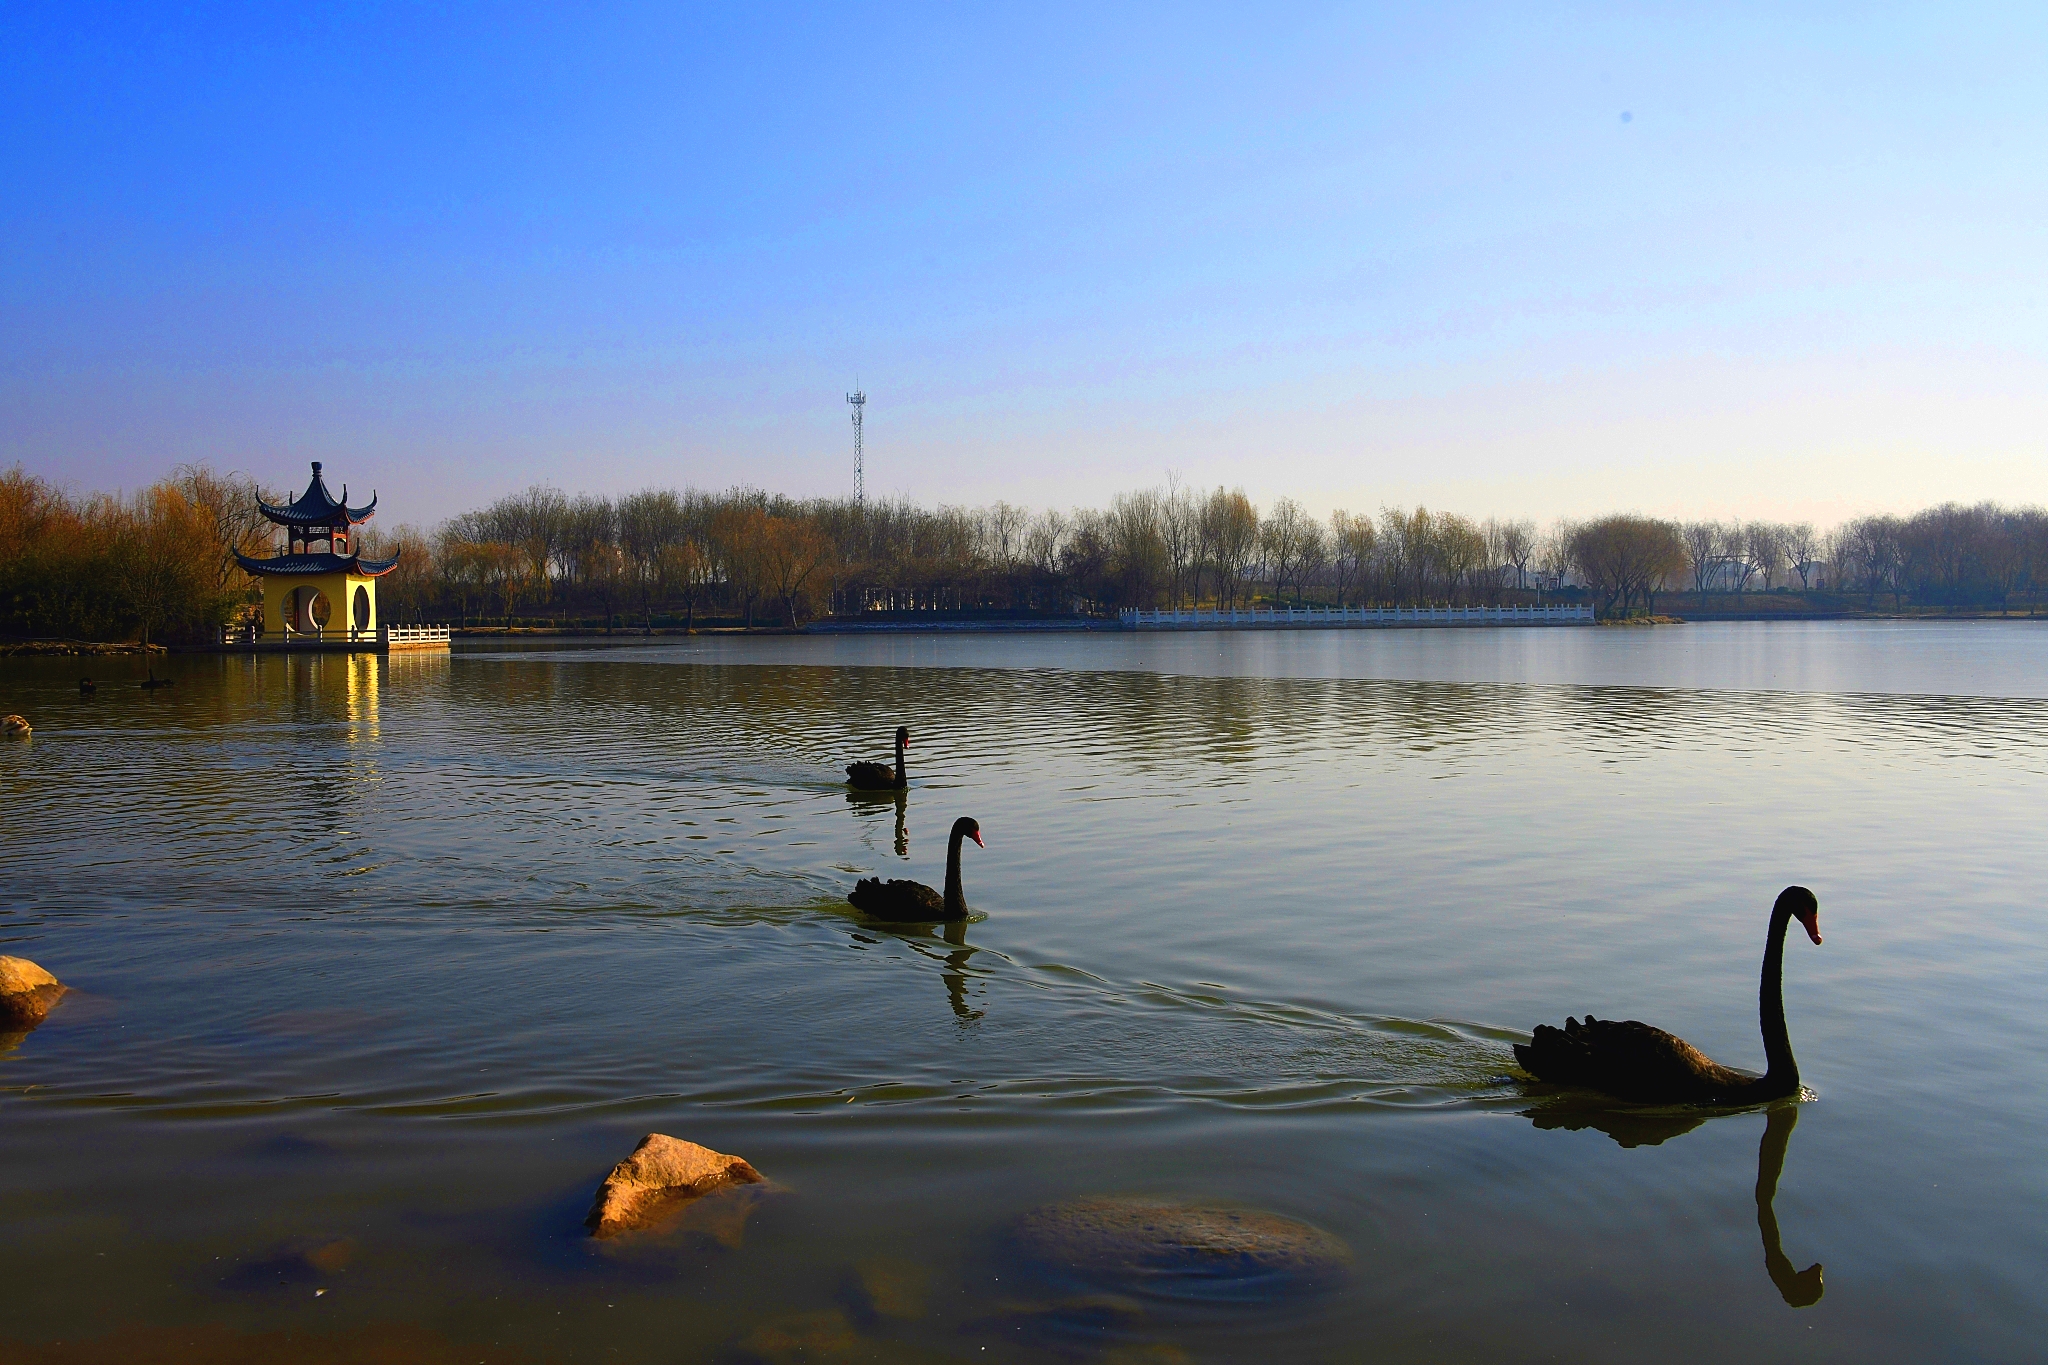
(860, 482)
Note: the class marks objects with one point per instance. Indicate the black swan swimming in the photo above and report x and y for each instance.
(1633, 1061)
(153, 682)
(914, 902)
(86, 687)
(880, 776)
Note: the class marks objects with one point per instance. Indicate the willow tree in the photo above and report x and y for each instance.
(1625, 557)
(1229, 530)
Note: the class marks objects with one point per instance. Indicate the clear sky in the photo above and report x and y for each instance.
(1691, 260)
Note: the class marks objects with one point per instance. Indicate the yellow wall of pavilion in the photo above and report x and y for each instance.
(340, 592)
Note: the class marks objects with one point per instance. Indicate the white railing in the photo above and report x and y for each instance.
(1304, 617)
(383, 635)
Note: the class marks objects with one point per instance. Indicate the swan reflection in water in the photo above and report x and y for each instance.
(953, 962)
(869, 802)
(955, 974)
(1799, 1288)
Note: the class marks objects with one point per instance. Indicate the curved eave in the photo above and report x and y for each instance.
(304, 566)
(301, 513)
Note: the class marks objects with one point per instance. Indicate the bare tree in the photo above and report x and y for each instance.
(1554, 552)
(1702, 541)
(650, 523)
(1180, 525)
(1763, 549)
(1283, 536)
(1801, 543)
(1314, 554)
(792, 552)
(226, 506)
(1351, 551)
(1045, 543)
(1517, 545)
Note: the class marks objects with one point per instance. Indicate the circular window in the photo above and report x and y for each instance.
(362, 607)
(319, 608)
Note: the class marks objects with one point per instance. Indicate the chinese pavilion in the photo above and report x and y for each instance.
(319, 585)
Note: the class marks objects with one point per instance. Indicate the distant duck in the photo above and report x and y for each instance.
(14, 727)
(86, 687)
(880, 776)
(153, 682)
(1633, 1061)
(914, 902)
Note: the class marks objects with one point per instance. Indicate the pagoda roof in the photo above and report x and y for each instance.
(318, 507)
(306, 565)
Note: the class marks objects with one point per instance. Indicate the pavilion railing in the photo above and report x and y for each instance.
(250, 633)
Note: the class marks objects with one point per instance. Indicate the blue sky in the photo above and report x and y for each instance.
(1501, 259)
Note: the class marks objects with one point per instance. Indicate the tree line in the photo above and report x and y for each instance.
(161, 562)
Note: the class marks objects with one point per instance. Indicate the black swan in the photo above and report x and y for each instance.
(86, 687)
(153, 682)
(914, 902)
(880, 776)
(1633, 1061)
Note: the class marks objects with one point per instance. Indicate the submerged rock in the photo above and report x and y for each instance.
(661, 1171)
(26, 993)
(1179, 1248)
(886, 1288)
(802, 1337)
(15, 727)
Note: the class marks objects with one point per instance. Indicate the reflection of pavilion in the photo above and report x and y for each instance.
(320, 593)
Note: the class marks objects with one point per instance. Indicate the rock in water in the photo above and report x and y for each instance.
(15, 727)
(26, 993)
(661, 1170)
(1180, 1249)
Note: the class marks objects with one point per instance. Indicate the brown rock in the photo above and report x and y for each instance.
(14, 727)
(26, 993)
(661, 1171)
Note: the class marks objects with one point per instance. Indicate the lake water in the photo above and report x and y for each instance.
(381, 964)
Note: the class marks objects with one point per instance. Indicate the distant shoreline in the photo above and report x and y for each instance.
(939, 624)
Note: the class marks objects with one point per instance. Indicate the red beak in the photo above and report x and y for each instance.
(976, 836)
(1811, 923)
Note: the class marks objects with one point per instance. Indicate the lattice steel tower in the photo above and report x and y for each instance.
(860, 478)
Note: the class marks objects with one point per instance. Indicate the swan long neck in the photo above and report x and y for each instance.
(956, 898)
(1783, 1071)
(902, 774)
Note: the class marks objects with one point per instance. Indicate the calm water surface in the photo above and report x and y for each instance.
(380, 964)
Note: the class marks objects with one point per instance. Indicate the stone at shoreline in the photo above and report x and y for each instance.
(661, 1171)
(1144, 1239)
(26, 993)
(14, 727)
